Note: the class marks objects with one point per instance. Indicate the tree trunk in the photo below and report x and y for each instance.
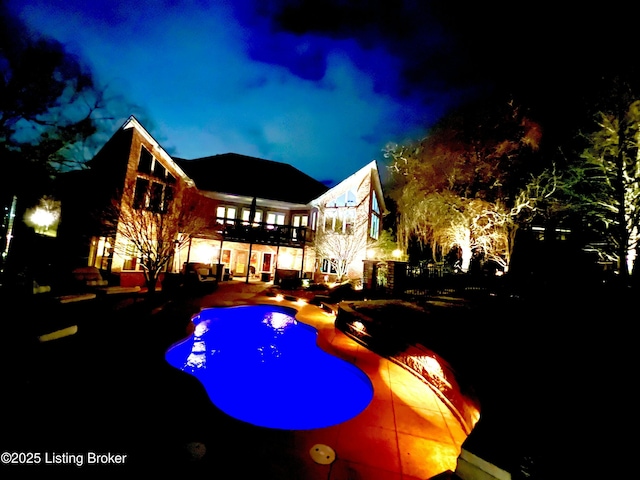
(151, 279)
(465, 247)
(622, 234)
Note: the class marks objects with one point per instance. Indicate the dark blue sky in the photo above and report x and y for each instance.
(322, 85)
(217, 77)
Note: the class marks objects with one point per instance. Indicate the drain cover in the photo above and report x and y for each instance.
(196, 450)
(322, 454)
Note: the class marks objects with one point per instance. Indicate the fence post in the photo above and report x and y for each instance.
(396, 277)
(368, 277)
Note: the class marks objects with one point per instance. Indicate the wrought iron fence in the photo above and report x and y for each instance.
(436, 279)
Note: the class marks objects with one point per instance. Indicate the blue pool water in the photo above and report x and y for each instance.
(260, 365)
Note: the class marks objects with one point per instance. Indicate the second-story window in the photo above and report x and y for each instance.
(375, 227)
(153, 187)
(349, 221)
(347, 199)
(374, 224)
(141, 192)
(225, 214)
(150, 195)
(275, 218)
(145, 164)
(299, 221)
(148, 164)
(246, 216)
(158, 170)
(340, 219)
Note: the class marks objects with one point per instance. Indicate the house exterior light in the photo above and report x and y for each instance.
(44, 217)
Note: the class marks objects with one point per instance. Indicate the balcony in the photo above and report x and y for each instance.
(235, 230)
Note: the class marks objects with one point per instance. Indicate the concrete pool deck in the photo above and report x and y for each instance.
(405, 433)
(107, 389)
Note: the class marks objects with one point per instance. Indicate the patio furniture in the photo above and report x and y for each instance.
(199, 273)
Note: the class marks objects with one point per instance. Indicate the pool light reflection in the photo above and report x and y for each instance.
(278, 321)
(260, 365)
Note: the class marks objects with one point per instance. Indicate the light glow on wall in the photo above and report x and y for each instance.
(203, 252)
(285, 260)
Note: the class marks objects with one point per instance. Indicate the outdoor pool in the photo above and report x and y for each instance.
(260, 365)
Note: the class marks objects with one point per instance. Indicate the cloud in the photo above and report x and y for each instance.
(265, 79)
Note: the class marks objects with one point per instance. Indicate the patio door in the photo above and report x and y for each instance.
(241, 263)
(267, 259)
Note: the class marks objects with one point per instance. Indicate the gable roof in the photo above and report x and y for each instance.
(369, 170)
(237, 174)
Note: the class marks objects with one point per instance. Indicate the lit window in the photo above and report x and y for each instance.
(246, 214)
(299, 221)
(131, 260)
(225, 214)
(274, 218)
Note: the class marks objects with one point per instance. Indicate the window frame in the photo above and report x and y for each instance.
(230, 220)
(276, 216)
(246, 213)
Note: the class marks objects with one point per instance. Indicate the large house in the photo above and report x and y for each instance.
(266, 219)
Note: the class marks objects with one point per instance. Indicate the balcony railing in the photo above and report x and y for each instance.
(263, 233)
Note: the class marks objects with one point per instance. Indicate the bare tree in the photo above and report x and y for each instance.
(155, 231)
(462, 186)
(341, 237)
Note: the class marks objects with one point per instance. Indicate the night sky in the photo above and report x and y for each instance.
(325, 85)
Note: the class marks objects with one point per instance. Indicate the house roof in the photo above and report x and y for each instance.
(237, 174)
(371, 169)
